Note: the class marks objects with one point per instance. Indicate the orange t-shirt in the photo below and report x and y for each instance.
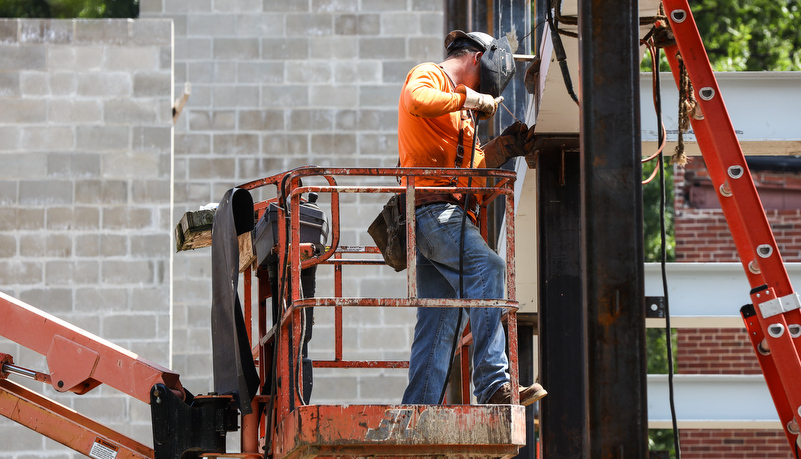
(429, 115)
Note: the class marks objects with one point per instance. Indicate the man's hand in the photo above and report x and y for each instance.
(485, 104)
(515, 140)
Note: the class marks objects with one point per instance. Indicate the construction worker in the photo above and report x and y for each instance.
(437, 112)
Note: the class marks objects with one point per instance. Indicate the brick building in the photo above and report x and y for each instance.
(702, 235)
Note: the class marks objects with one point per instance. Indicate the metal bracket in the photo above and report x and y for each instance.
(655, 307)
(781, 305)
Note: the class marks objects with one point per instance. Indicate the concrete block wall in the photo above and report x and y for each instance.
(85, 171)
(278, 84)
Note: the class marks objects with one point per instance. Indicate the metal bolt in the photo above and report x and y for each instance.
(678, 16)
(725, 190)
(765, 250)
(753, 266)
(60, 384)
(776, 330)
(736, 172)
(706, 93)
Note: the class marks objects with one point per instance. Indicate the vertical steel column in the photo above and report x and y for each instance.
(612, 229)
(563, 426)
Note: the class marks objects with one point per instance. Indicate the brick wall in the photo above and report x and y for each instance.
(278, 84)
(85, 148)
(702, 235)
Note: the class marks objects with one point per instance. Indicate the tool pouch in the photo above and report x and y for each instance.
(388, 230)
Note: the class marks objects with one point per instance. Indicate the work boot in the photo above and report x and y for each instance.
(528, 395)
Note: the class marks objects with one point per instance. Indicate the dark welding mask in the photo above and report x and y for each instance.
(497, 61)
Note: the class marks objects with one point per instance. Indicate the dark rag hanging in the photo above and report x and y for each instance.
(234, 370)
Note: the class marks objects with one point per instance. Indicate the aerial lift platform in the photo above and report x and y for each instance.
(276, 420)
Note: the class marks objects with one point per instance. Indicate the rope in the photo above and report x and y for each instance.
(687, 108)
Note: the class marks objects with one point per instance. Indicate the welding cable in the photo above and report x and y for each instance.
(654, 86)
(561, 57)
(663, 253)
(466, 205)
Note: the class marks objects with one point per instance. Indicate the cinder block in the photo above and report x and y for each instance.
(32, 245)
(261, 120)
(379, 95)
(21, 272)
(151, 191)
(368, 24)
(260, 72)
(192, 143)
(203, 168)
(283, 144)
(360, 71)
(78, 165)
(152, 138)
(52, 299)
(166, 58)
(383, 388)
(71, 272)
(235, 96)
(333, 389)
(198, 72)
(130, 111)
(23, 111)
(9, 85)
(8, 192)
(149, 246)
(334, 47)
(309, 24)
(22, 58)
(333, 144)
(21, 438)
(147, 8)
(260, 25)
(237, 5)
(127, 218)
(309, 72)
(45, 193)
(211, 25)
(224, 72)
(113, 245)
(429, 48)
(58, 245)
(311, 119)
(9, 31)
(110, 31)
(63, 84)
(8, 245)
(24, 167)
(101, 192)
(152, 84)
(193, 48)
(75, 58)
(396, 71)
(187, 6)
(236, 144)
(127, 272)
(151, 31)
(132, 58)
(382, 48)
(48, 138)
(345, 24)
(384, 144)
(220, 120)
(404, 24)
(286, 5)
(105, 84)
(102, 138)
(385, 5)
(9, 139)
(236, 48)
(103, 409)
(285, 48)
(432, 22)
(73, 111)
(335, 96)
(95, 300)
(73, 218)
(335, 5)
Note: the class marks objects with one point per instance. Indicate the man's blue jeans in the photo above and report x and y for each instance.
(438, 235)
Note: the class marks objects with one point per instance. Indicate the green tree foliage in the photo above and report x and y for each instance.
(750, 34)
(67, 9)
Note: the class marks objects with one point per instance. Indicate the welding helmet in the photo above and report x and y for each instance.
(497, 62)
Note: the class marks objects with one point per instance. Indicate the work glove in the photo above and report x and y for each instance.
(484, 104)
(515, 140)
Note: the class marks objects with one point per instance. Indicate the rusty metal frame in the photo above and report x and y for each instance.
(299, 430)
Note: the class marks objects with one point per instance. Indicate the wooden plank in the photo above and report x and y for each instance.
(194, 230)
